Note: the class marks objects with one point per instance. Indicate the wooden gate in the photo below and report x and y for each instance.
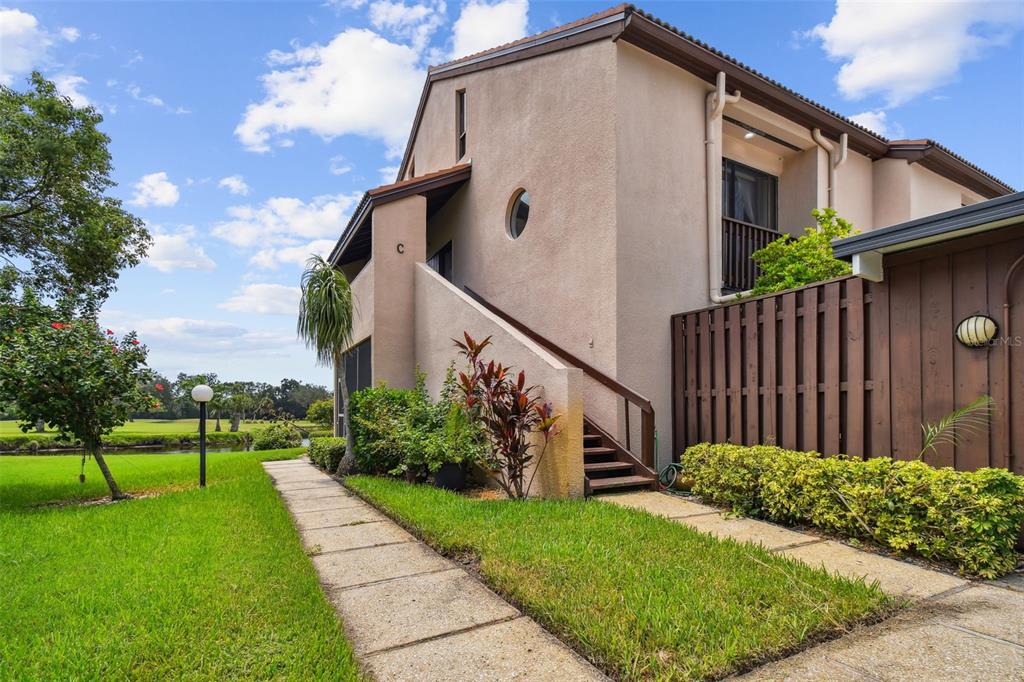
(856, 367)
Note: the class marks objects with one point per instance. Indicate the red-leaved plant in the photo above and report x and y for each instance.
(510, 413)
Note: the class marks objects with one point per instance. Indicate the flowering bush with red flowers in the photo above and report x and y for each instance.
(72, 376)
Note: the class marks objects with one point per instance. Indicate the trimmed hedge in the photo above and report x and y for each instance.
(327, 452)
(30, 443)
(970, 519)
(276, 436)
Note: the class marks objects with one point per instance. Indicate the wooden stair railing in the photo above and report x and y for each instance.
(628, 395)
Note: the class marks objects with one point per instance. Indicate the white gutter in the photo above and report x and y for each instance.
(716, 101)
(833, 161)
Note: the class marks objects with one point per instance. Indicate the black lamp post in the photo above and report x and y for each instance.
(202, 394)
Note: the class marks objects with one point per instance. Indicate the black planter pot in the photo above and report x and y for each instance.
(450, 476)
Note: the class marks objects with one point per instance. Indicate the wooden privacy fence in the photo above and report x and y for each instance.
(851, 366)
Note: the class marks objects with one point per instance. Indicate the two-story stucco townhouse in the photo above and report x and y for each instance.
(568, 192)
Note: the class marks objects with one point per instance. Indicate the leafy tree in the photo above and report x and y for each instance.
(59, 233)
(293, 397)
(321, 412)
(325, 324)
(71, 373)
(182, 390)
(787, 262)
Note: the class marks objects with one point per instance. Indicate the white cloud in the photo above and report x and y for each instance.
(173, 336)
(264, 299)
(271, 259)
(416, 22)
(902, 49)
(878, 121)
(339, 166)
(136, 92)
(155, 189)
(483, 25)
(177, 251)
(388, 174)
(69, 85)
(359, 83)
(69, 34)
(24, 44)
(234, 184)
(286, 230)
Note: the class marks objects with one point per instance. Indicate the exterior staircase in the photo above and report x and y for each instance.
(609, 467)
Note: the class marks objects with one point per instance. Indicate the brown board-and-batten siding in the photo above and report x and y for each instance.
(852, 366)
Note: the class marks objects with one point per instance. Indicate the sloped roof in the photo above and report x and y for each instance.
(436, 186)
(627, 22)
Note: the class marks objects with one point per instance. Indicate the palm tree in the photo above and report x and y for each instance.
(325, 324)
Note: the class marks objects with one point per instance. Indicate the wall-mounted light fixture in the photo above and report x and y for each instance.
(976, 331)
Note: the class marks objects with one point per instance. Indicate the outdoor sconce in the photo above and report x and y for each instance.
(202, 394)
(976, 331)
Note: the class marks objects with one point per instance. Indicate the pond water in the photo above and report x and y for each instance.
(143, 450)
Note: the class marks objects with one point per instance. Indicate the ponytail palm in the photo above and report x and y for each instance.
(325, 324)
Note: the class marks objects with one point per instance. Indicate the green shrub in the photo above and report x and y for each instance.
(403, 432)
(276, 436)
(31, 442)
(327, 452)
(971, 519)
(787, 262)
(321, 412)
(378, 418)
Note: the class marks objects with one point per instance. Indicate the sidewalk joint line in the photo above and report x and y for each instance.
(317, 511)
(1000, 640)
(343, 525)
(443, 635)
(372, 583)
(690, 516)
(794, 545)
(352, 549)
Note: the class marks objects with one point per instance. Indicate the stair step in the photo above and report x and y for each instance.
(619, 482)
(598, 451)
(595, 467)
(591, 438)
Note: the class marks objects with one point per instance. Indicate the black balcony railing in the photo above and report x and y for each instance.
(739, 241)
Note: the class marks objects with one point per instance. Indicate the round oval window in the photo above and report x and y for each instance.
(519, 213)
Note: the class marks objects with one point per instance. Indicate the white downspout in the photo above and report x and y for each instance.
(833, 161)
(716, 101)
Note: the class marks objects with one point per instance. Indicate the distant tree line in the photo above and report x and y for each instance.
(233, 401)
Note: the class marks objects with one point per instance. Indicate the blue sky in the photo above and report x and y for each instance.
(244, 132)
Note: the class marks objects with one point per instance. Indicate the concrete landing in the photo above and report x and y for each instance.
(409, 613)
(955, 629)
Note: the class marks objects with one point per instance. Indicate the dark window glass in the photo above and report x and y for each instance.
(460, 123)
(441, 261)
(357, 367)
(749, 195)
(519, 214)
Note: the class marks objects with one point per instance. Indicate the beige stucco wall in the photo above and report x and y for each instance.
(931, 193)
(443, 312)
(362, 303)
(547, 125)
(399, 242)
(662, 261)
(800, 189)
(854, 192)
(890, 191)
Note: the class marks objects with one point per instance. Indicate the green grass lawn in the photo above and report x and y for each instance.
(190, 584)
(640, 596)
(155, 426)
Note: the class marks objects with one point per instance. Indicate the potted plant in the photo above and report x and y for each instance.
(451, 449)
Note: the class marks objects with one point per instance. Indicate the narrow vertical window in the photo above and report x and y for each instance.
(460, 124)
(412, 167)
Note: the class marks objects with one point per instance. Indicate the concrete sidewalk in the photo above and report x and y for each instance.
(409, 613)
(954, 629)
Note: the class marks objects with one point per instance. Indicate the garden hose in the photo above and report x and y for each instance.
(668, 477)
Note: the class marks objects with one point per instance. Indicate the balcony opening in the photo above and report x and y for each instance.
(749, 221)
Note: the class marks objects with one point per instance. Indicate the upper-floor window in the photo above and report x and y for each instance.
(460, 124)
(749, 195)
